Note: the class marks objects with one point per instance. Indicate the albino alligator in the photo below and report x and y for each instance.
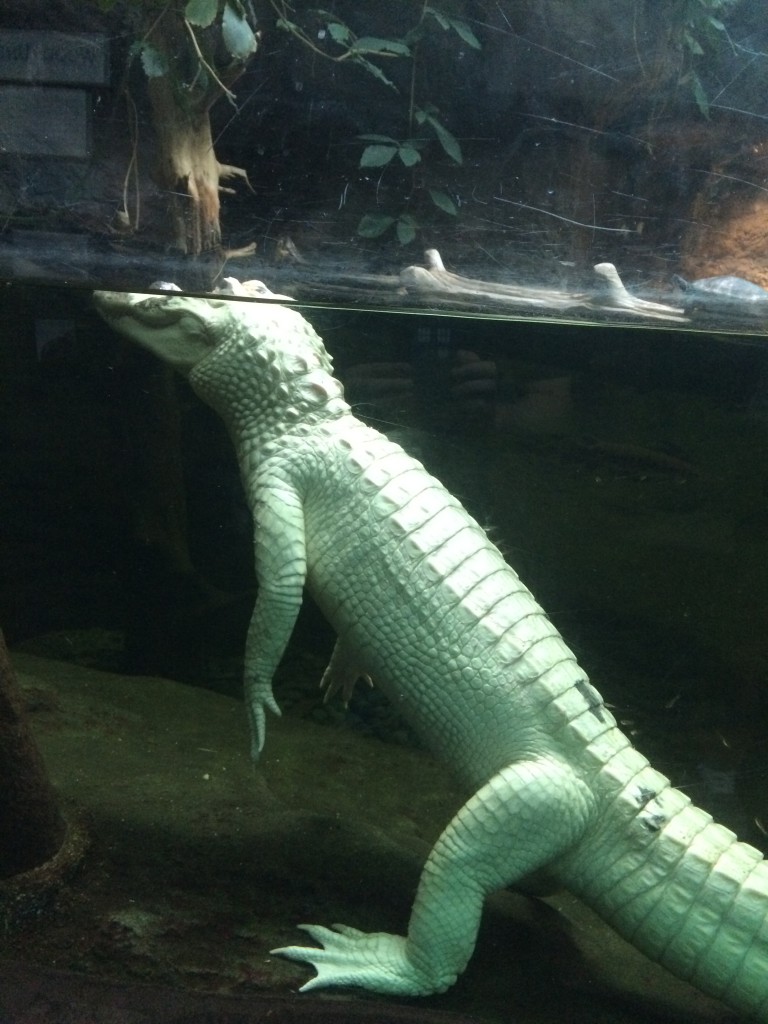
(426, 606)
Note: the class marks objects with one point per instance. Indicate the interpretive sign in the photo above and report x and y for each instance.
(56, 58)
(45, 121)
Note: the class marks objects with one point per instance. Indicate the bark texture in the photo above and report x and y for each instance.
(186, 167)
(31, 826)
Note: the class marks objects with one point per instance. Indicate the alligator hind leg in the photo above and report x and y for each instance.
(524, 817)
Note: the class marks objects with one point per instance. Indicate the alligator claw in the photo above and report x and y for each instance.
(257, 699)
(376, 961)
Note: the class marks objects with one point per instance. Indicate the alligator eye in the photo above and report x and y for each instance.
(154, 311)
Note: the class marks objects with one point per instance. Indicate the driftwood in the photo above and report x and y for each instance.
(610, 296)
(430, 286)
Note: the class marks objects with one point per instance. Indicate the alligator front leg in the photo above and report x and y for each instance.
(524, 817)
(281, 568)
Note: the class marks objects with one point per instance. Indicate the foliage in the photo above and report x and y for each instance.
(185, 60)
(700, 31)
(335, 40)
(373, 225)
(384, 148)
(238, 37)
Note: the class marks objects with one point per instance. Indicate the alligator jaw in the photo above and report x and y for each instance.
(146, 307)
(177, 329)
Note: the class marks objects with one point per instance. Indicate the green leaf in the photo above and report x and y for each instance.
(702, 101)
(462, 29)
(377, 156)
(443, 201)
(693, 44)
(339, 33)
(288, 26)
(201, 12)
(154, 62)
(371, 44)
(406, 228)
(408, 154)
(372, 137)
(439, 17)
(374, 70)
(447, 141)
(716, 23)
(374, 224)
(237, 34)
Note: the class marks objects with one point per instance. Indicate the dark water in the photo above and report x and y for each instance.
(623, 472)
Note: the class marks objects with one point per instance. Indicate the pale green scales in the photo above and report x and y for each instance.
(424, 604)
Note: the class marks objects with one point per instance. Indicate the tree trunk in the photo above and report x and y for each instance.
(186, 168)
(31, 827)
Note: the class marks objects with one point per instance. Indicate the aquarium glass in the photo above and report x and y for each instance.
(531, 236)
(604, 162)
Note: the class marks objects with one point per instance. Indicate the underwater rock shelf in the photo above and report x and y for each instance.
(33, 995)
(199, 865)
(42, 848)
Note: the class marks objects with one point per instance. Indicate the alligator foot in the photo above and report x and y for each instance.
(375, 961)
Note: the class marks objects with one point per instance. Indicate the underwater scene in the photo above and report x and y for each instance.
(623, 473)
(383, 511)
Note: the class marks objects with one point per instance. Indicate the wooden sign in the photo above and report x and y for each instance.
(55, 58)
(44, 121)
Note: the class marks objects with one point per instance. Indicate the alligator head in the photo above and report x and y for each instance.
(244, 358)
(180, 329)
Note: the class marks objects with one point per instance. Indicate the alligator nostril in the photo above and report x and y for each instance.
(165, 286)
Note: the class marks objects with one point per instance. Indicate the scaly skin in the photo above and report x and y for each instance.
(425, 605)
